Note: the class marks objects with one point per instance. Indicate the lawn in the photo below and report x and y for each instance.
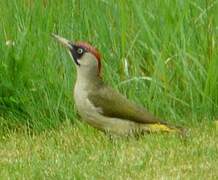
(83, 153)
(161, 54)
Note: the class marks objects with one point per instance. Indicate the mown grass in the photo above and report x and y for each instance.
(162, 54)
(83, 153)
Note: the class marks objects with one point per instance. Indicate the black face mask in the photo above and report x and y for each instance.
(77, 52)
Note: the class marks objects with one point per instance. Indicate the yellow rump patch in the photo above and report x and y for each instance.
(161, 128)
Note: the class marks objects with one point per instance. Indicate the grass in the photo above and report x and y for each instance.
(161, 54)
(83, 153)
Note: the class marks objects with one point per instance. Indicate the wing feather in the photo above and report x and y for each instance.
(114, 104)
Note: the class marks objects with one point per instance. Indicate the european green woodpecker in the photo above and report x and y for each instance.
(101, 106)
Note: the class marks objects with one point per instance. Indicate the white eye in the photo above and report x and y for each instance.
(79, 50)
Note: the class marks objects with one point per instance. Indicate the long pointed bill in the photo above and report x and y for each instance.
(63, 41)
(66, 43)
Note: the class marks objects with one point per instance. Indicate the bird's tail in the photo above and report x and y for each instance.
(158, 127)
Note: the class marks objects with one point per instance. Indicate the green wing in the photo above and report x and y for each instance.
(114, 104)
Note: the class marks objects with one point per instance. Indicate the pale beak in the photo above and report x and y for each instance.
(63, 41)
(69, 45)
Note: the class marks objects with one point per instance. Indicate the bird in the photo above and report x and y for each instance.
(100, 105)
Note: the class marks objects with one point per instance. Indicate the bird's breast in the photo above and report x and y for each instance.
(82, 102)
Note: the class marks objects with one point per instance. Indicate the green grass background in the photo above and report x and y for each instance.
(162, 54)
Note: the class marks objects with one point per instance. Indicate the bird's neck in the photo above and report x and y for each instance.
(87, 80)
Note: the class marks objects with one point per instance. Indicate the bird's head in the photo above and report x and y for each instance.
(86, 57)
